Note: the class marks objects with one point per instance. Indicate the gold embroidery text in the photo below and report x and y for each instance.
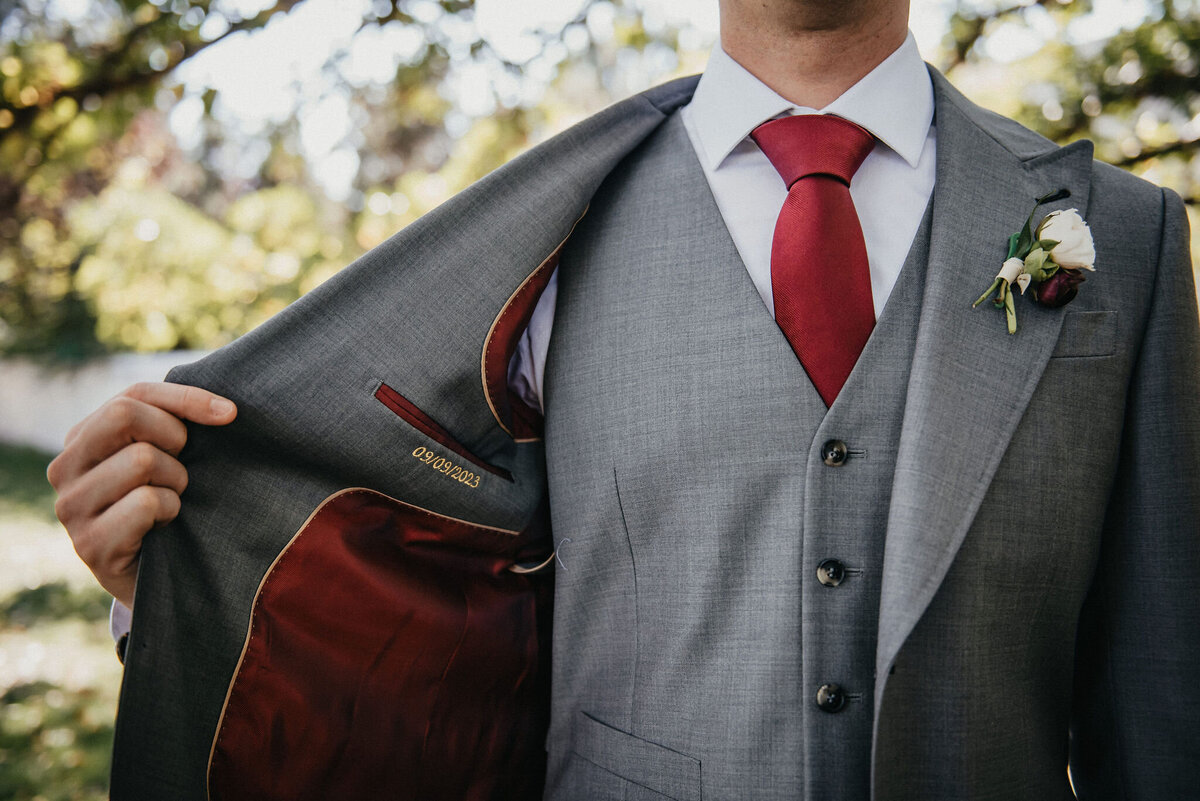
(445, 466)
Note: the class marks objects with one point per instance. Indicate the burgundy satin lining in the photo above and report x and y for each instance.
(523, 421)
(391, 654)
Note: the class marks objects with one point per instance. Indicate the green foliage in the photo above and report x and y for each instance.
(69, 93)
(112, 238)
(160, 274)
(56, 600)
(55, 721)
(23, 484)
(54, 744)
(1135, 94)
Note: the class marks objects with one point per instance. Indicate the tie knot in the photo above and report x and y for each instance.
(813, 144)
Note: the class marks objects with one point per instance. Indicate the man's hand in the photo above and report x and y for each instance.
(117, 476)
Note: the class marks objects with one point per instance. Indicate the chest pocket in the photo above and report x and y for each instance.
(1087, 334)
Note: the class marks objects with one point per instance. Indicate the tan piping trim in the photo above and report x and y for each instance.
(518, 569)
(250, 623)
(491, 330)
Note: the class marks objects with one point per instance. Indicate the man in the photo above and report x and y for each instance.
(776, 577)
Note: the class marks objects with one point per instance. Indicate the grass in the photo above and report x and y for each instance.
(23, 486)
(58, 675)
(54, 744)
(57, 600)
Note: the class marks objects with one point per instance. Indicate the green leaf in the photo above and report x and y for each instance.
(1034, 261)
(1012, 245)
(1025, 239)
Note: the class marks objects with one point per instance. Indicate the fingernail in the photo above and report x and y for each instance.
(221, 407)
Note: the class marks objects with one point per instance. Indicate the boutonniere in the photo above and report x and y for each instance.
(1050, 258)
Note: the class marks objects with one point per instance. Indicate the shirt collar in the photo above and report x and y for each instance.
(894, 102)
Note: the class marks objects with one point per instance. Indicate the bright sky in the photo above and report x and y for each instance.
(263, 76)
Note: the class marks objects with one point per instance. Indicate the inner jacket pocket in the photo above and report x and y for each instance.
(407, 411)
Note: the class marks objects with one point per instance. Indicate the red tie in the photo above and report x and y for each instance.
(819, 274)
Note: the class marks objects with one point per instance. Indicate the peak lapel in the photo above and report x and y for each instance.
(971, 380)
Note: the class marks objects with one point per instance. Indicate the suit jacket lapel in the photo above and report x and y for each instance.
(971, 380)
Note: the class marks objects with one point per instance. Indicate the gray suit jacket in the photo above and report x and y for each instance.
(419, 329)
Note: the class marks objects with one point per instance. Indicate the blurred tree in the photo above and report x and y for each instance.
(1136, 94)
(116, 235)
(70, 86)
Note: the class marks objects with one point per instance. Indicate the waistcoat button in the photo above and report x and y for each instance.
(831, 698)
(831, 572)
(834, 452)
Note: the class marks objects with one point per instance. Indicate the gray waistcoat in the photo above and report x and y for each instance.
(692, 506)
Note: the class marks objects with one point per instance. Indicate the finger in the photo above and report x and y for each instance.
(117, 476)
(74, 431)
(139, 511)
(189, 403)
(117, 424)
(111, 544)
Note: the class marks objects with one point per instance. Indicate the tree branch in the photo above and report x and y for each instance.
(1165, 150)
(103, 85)
(976, 27)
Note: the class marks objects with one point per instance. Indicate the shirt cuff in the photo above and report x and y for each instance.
(120, 618)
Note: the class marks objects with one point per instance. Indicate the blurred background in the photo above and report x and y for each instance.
(174, 172)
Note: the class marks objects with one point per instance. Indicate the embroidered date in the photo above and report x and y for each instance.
(445, 466)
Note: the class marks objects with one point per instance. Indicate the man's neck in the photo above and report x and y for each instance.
(812, 51)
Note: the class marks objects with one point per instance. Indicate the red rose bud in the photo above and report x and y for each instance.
(1059, 289)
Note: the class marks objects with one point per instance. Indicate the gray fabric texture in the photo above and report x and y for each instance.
(1014, 456)
(1040, 564)
(698, 556)
(413, 313)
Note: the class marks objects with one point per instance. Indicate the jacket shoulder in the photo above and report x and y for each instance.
(1129, 188)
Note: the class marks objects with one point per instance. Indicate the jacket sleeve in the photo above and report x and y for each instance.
(1135, 729)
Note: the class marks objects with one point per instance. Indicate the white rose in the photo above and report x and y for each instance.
(1075, 249)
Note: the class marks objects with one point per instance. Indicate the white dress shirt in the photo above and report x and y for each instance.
(890, 190)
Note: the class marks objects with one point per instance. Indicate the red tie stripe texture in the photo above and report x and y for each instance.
(820, 278)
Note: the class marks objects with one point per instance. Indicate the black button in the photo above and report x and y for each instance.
(834, 453)
(831, 572)
(831, 698)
